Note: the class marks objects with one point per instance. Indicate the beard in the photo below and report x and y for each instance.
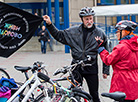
(89, 25)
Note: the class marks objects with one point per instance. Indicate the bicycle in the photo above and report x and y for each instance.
(70, 69)
(76, 85)
(62, 94)
(33, 82)
(116, 96)
(4, 74)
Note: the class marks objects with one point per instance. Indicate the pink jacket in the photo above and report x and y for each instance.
(124, 61)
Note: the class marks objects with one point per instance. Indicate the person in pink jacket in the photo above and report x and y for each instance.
(124, 60)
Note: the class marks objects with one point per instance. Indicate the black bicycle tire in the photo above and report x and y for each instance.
(40, 98)
(81, 97)
(81, 92)
(73, 99)
(5, 73)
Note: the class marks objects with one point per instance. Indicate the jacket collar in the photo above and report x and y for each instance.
(80, 27)
(127, 37)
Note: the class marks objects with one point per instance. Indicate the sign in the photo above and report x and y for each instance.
(16, 28)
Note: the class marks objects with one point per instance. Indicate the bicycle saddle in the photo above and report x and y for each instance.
(23, 69)
(117, 96)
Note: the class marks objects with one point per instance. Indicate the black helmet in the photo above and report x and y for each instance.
(86, 11)
(126, 25)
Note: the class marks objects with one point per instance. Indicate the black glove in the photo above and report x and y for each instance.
(99, 41)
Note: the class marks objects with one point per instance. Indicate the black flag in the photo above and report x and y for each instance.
(16, 28)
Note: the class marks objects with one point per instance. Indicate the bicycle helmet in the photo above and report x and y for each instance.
(126, 25)
(86, 11)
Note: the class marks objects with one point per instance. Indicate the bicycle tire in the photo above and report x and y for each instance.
(84, 100)
(41, 98)
(72, 99)
(80, 98)
(4, 74)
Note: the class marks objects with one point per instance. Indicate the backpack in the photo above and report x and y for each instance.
(10, 83)
(6, 88)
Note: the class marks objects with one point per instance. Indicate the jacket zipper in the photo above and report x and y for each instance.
(83, 55)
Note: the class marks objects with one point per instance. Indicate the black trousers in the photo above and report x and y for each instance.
(93, 84)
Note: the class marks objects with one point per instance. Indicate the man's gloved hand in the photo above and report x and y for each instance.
(99, 41)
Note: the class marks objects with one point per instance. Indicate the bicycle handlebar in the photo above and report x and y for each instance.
(65, 69)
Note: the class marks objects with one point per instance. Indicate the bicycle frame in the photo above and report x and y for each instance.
(65, 92)
(69, 69)
(35, 84)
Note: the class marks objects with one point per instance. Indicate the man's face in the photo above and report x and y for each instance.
(43, 27)
(88, 21)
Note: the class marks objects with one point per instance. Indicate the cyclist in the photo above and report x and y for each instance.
(124, 60)
(81, 39)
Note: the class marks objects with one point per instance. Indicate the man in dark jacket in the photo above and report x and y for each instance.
(81, 40)
(44, 38)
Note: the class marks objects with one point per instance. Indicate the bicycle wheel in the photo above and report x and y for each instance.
(81, 99)
(82, 96)
(72, 99)
(4, 74)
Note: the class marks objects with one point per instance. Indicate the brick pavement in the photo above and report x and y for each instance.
(52, 60)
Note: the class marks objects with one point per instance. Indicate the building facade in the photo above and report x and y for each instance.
(65, 13)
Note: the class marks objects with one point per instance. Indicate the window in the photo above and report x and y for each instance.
(136, 1)
(125, 2)
(105, 2)
(126, 17)
(53, 14)
(114, 20)
(109, 1)
(39, 12)
(137, 18)
(28, 10)
(61, 14)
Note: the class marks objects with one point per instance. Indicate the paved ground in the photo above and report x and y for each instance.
(52, 60)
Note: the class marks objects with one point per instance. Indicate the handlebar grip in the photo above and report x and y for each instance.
(43, 77)
(64, 71)
(56, 72)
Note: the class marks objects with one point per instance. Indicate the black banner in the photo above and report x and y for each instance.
(16, 28)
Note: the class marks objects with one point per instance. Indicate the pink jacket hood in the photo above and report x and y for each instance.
(132, 43)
